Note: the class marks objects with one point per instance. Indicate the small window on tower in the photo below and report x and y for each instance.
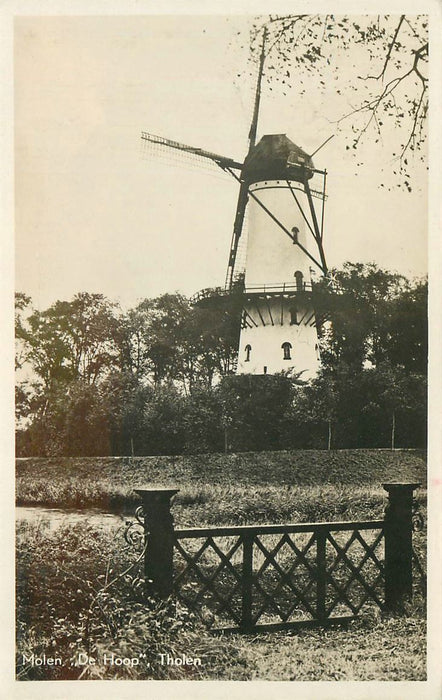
(286, 348)
(248, 350)
(299, 280)
(293, 315)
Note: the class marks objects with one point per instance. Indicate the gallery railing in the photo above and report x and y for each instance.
(275, 289)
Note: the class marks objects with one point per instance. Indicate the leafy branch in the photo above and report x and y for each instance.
(324, 44)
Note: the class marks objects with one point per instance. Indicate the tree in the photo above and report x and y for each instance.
(319, 402)
(159, 348)
(164, 430)
(62, 350)
(406, 344)
(360, 303)
(124, 400)
(255, 410)
(380, 59)
(203, 426)
(159, 379)
(23, 384)
(212, 336)
(169, 338)
(69, 422)
(130, 343)
(84, 421)
(392, 391)
(71, 340)
(22, 304)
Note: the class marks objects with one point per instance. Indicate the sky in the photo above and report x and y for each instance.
(95, 213)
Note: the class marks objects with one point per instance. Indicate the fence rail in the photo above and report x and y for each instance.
(269, 529)
(269, 576)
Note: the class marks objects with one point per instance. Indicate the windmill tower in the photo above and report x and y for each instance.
(278, 325)
(285, 197)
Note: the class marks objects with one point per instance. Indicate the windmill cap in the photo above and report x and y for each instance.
(276, 157)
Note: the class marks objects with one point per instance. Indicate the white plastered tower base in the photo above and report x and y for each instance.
(278, 322)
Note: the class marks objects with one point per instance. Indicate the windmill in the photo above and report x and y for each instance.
(285, 197)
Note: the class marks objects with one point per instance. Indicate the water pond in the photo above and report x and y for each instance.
(59, 517)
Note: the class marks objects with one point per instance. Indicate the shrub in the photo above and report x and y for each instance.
(98, 606)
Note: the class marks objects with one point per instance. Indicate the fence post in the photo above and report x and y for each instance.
(398, 544)
(321, 581)
(247, 576)
(159, 534)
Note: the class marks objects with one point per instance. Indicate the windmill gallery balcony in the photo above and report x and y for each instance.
(213, 294)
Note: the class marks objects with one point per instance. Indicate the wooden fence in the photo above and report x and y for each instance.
(249, 578)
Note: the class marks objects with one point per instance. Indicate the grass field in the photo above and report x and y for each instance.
(80, 589)
(331, 477)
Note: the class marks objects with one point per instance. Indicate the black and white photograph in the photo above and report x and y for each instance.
(221, 226)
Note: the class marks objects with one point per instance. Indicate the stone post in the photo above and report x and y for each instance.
(398, 544)
(159, 533)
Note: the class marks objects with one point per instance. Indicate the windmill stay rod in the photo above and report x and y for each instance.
(316, 226)
(300, 209)
(304, 250)
(273, 217)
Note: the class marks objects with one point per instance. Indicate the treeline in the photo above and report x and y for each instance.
(159, 378)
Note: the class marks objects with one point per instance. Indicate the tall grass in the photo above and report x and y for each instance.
(80, 588)
(80, 592)
(109, 482)
(217, 504)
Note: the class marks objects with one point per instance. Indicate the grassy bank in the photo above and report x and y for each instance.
(80, 593)
(214, 484)
(234, 505)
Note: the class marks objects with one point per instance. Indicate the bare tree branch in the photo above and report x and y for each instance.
(412, 133)
(390, 48)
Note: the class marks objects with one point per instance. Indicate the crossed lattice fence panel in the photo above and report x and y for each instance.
(283, 585)
(208, 576)
(280, 574)
(354, 571)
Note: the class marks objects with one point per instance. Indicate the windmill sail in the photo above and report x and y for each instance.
(226, 163)
(223, 161)
(243, 195)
